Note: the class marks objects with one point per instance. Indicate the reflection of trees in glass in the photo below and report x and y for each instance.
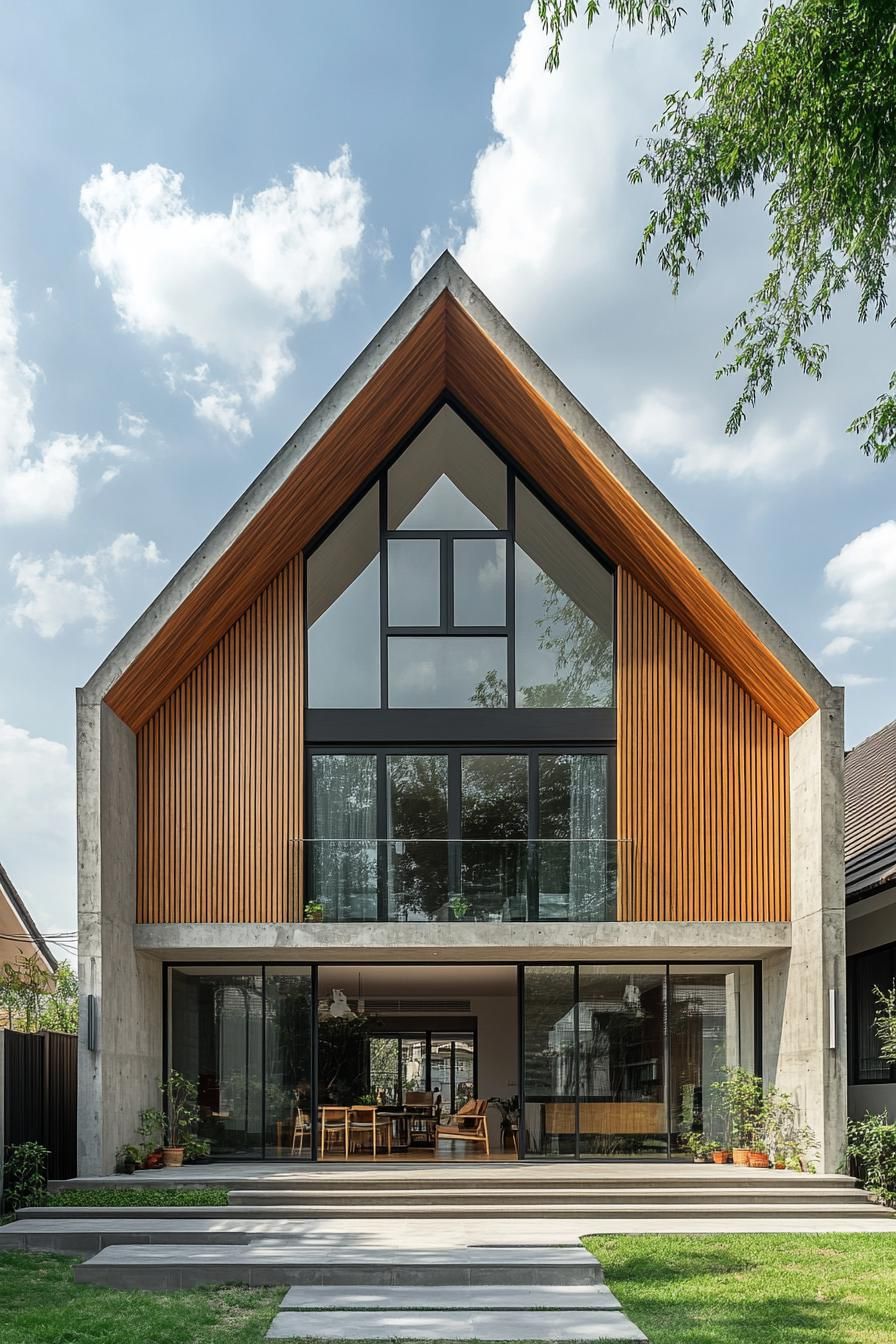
(342, 1053)
(288, 1041)
(583, 660)
(418, 807)
(583, 655)
(494, 806)
(343, 868)
(491, 692)
(384, 1068)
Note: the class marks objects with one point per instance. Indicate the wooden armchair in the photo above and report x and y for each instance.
(468, 1125)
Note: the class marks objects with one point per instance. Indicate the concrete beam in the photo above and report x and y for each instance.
(463, 942)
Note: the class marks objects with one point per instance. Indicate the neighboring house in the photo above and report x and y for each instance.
(455, 761)
(19, 935)
(870, 844)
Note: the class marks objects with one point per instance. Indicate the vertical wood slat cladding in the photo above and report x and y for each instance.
(219, 775)
(702, 781)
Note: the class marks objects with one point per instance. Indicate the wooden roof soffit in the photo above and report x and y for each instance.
(448, 352)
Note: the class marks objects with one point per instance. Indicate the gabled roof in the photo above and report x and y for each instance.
(447, 342)
(31, 935)
(870, 814)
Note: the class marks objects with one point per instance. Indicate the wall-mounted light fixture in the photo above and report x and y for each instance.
(832, 1019)
(92, 1024)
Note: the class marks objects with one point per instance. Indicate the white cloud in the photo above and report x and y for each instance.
(62, 590)
(664, 423)
(425, 251)
(132, 424)
(235, 286)
(864, 574)
(37, 480)
(838, 646)
(37, 825)
(222, 407)
(858, 679)
(544, 194)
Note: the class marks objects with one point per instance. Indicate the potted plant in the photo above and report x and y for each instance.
(151, 1130)
(721, 1155)
(196, 1149)
(459, 906)
(509, 1108)
(128, 1159)
(314, 912)
(700, 1148)
(740, 1095)
(181, 1116)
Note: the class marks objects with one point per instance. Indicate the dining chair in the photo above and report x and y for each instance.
(301, 1127)
(363, 1120)
(333, 1122)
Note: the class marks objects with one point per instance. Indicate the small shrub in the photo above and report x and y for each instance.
(871, 1149)
(25, 1175)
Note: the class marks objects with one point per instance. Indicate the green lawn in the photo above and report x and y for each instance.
(40, 1304)
(740, 1289)
(755, 1289)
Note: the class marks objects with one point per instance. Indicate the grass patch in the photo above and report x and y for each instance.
(41, 1304)
(123, 1197)
(755, 1288)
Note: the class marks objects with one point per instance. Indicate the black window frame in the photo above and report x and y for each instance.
(462, 724)
(854, 989)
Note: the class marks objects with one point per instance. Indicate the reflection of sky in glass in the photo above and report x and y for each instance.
(444, 508)
(414, 582)
(344, 648)
(434, 673)
(479, 581)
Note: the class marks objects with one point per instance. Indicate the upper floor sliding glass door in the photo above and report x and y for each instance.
(451, 834)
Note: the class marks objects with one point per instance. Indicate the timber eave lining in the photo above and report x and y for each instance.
(447, 352)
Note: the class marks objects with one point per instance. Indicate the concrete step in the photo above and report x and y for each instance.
(597, 1209)
(455, 1325)
(166, 1268)
(547, 1195)
(549, 1297)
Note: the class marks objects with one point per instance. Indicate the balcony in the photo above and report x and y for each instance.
(458, 881)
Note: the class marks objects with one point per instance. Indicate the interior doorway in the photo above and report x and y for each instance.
(417, 1062)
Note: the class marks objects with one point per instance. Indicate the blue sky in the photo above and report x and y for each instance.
(159, 342)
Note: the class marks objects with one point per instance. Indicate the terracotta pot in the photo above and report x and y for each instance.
(721, 1156)
(172, 1157)
(152, 1161)
(779, 1166)
(740, 1157)
(759, 1160)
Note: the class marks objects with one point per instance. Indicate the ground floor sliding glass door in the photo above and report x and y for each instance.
(619, 1061)
(609, 1060)
(243, 1035)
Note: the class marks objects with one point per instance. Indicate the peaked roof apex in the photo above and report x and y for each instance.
(419, 314)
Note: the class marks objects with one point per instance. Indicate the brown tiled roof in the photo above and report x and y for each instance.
(870, 800)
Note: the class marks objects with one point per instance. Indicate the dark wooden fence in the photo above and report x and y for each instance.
(40, 1095)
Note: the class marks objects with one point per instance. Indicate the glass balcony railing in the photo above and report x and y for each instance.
(463, 881)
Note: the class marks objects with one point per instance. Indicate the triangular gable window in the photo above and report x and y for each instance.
(450, 585)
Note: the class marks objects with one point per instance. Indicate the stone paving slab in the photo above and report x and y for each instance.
(562, 1296)
(164, 1267)
(460, 1325)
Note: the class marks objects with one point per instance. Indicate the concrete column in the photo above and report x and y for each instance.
(802, 1053)
(118, 1079)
